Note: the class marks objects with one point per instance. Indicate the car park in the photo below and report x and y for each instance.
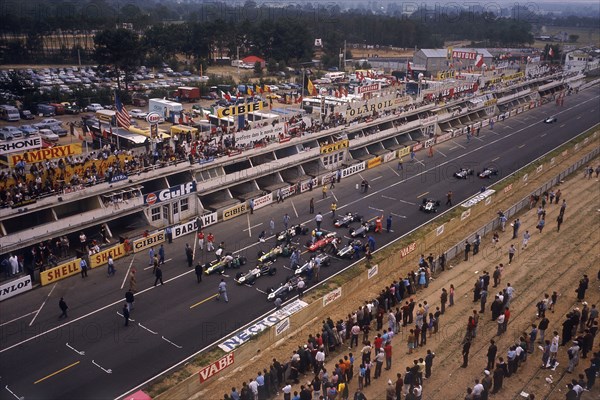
(429, 205)
(48, 135)
(488, 172)
(463, 173)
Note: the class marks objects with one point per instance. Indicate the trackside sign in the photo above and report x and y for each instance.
(16, 145)
(211, 370)
(241, 337)
(480, 197)
(15, 287)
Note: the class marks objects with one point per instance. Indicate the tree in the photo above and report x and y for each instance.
(257, 68)
(120, 50)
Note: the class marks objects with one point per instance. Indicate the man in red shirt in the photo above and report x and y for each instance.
(388, 355)
(210, 239)
(201, 240)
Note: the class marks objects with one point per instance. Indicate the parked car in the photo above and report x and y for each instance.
(28, 130)
(137, 113)
(26, 114)
(59, 130)
(94, 107)
(48, 135)
(11, 131)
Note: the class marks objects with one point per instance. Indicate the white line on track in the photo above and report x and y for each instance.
(453, 148)
(262, 291)
(128, 269)
(42, 306)
(168, 341)
(496, 159)
(253, 226)
(18, 318)
(294, 207)
(376, 209)
(388, 197)
(398, 215)
(394, 171)
(442, 153)
(459, 145)
(408, 202)
(377, 177)
(142, 326)
(334, 196)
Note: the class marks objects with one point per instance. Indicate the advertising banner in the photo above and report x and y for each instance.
(50, 153)
(60, 272)
(149, 241)
(356, 168)
(101, 258)
(330, 148)
(171, 193)
(13, 288)
(234, 211)
(25, 144)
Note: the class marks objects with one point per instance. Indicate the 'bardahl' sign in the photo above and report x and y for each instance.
(192, 226)
(15, 287)
(15, 145)
(241, 337)
(171, 193)
(148, 241)
(216, 367)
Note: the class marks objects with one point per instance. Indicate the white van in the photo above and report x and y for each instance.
(9, 113)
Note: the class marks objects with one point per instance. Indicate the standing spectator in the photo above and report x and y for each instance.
(388, 224)
(251, 206)
(542, 326)
(158, 274)
(429, 363)
(333, 209)
(511, 253)
(222, 291)
(311, 206)
(82, 242)
(467, 249)
(189, 255)
(465, 353)
(573, 354)
(63, 308)
(151, 256)
(201, 240)
(84, 268)
(449, 198)
(559, 221)
(532, 337)
(161, 255)
(169, 233)
(388, 355)
(129, 299)
(286, 221)
(210, 242)
(526, 237)
(500, 321)
(111, 266)
(198, 271)
(491, 354)
(324, 191)
(126, 314)
(451, 296)
(132, 281)
(318, 220)
(516, 225)
(444, 299)
(498, 378)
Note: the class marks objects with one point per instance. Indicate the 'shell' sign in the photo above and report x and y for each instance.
(216, 367)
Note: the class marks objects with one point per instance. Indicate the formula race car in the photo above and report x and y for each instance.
(345, 220)
(228, 261)
(348, 250)
(429, 205)
(322, 259)
(271, 255)
(322, 243)
(288, 234)
(284, 290)
(488, 172)
(550, 120)
(362, 230)
(251, 276)
(463, 173)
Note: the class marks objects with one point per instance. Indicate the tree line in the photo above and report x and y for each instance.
(61, 31)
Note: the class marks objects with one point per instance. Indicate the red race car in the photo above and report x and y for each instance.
(322, 242)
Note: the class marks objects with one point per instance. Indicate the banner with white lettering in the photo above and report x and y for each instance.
(169, 194)
(244, 335)
(262, 201)
(244, 138)
(25, 144)
(192, 226)
(356, 168)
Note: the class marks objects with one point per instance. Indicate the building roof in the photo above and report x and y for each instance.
(442, 53)
(253, 59)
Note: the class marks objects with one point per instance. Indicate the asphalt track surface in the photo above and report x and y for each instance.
(92, 355)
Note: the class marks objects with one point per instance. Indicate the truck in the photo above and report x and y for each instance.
(167, 109)
(188, 93)
(9, 113)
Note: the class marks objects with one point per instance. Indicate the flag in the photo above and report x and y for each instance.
(228, 96)
(479, 61)
(266, 88)
(249, 91)
(311, 88)
(299, 100)
(123, 118)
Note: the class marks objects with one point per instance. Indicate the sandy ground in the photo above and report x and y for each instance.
(552, 262)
